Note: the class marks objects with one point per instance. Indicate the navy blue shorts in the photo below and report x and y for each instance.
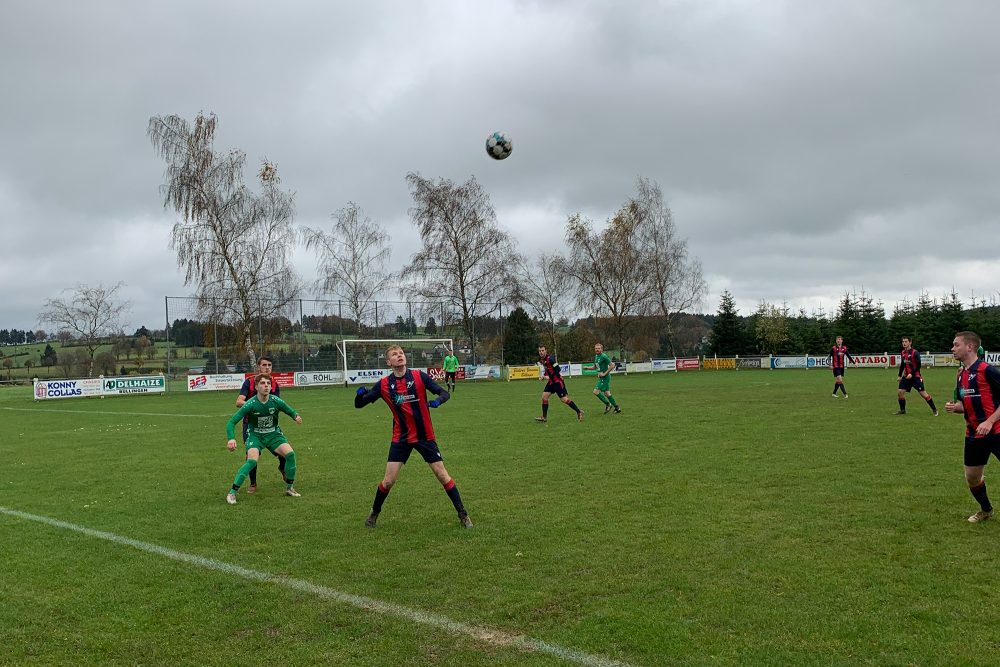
(838, 372)
(557, 388)
(450, 375)
(978, 450)
(399, 452)
(916, 382)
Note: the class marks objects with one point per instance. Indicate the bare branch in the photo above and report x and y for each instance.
(233, 244)
(91, 314)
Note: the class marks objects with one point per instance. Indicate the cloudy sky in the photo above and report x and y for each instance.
(806, 148)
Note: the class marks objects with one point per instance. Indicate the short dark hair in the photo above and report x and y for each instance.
(970, 337)
(265, 357)
(262, 376)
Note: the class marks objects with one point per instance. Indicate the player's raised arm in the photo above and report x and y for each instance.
(434, 388)
(365, 396)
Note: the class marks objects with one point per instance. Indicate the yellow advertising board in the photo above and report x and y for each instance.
(522, 373)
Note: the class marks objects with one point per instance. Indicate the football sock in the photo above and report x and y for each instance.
(253, 476)
(902, 405)
(979, 493)
(573, 405)
(603, 399)
(247, 468)
(613, 401)
(281, 464)
(930, 402)
(545, 409)
(290, 466)
(456, 498)
(843, 388)
(380, 495)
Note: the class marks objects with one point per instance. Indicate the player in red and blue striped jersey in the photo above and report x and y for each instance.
(910, 378)
(838, 358)
(977, 396)
(554, 385)
(405, 392)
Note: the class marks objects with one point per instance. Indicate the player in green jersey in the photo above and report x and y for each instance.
(603, 388)
(450, 369)
(264, 433)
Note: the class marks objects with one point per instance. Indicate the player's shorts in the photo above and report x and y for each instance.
(399, 452)
(268, 441)
(557, 388)
(978, 450)
(916, 382)
(838, 372)
(603, 384)
(449, 376)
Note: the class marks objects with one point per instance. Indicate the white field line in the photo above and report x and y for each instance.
(109, 412)
(479, 633)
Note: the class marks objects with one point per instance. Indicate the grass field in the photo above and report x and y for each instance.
(724, 518)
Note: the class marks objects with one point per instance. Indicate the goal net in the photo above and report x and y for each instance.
(363, 358)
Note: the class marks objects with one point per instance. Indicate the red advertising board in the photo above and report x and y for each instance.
(687, 363)
(284, 379)
(437, 374)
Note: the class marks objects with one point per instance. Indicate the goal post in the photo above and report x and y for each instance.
(369, 353)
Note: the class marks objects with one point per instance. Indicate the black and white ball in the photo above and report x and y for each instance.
(499, 146)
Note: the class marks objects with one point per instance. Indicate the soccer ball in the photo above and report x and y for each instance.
(499, 146)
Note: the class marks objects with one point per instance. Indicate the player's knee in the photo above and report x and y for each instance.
(387, 483)
(974, 478)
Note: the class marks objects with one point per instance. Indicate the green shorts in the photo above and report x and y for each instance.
(268, 441)
(603, 383)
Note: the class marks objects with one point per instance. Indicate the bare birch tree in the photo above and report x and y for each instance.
(352, 259)
(547, 290)
(233, 244)
(465, 259)
(608, 269)
(91, 314)
(676, 280)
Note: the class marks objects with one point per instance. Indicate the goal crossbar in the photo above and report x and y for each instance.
(342, 345)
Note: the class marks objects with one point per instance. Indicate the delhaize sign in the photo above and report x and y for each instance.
(149, 384)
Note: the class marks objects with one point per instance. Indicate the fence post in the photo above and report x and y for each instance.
(500, 311)
(302, 335)
(215, 343)
(166, 309)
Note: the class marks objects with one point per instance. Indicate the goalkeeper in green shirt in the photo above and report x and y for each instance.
(263, 433)
(603, 388)
(450, 369)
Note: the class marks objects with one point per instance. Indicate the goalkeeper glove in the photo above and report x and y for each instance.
(361, 390)
(434, 403)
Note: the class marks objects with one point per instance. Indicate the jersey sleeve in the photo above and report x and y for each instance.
(993, 378)
(236, 419)
(245, 389)
(916, 361)
(286, 408)
(433, 387)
